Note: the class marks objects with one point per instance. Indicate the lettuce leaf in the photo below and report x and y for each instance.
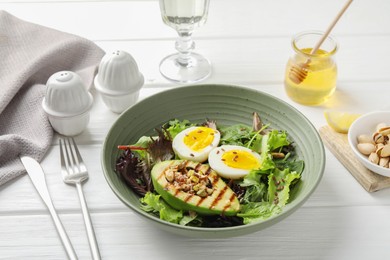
(155, 204)
(257, 211)
(189, 219)
(175, 126)
(279, 183)
(265, 154)
(277, 139)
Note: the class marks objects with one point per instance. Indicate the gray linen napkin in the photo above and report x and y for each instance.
(29, 55)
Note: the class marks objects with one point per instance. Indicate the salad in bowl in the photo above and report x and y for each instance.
(211, 175)
(196, 161)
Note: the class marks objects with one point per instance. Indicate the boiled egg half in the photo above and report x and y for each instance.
(233, 162)
(195, 143)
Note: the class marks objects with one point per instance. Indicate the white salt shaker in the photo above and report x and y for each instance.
(67, 103)
(118, 80)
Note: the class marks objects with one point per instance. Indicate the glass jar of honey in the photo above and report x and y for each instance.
(310, 78)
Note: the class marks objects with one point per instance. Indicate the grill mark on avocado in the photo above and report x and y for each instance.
(218, 198)
(189, 196)
(201, 200)
(231, 199)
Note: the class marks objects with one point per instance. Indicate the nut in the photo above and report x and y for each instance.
(380, 125)
(278, 155)
(378, 138)
(374, 158)
(379, 148)
(194, 179)
(189, 180)
(202, 193)
(185, 187)
(366, 148)
(385, 152)
(364, 139)
(384, 130)
(169, 175)
(196, 187)
(384, 162)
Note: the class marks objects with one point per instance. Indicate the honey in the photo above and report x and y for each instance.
(320, 82)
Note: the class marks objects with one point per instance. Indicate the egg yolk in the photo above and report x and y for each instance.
(240, 160)
(199, 138)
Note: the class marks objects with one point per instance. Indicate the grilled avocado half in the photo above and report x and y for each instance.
(187, 185)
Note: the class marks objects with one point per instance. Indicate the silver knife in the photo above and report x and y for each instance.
(37, 176)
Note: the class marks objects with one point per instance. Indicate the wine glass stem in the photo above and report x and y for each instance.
(184, 45)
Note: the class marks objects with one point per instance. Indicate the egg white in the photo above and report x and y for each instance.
(217, 164)
(186, 153)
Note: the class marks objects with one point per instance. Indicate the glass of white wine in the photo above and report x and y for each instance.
(184, 16)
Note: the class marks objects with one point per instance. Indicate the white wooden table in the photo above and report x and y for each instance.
(248, 42)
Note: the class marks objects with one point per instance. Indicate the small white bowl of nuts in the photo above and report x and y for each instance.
(369, 138)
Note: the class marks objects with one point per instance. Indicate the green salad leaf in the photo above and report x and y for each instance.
(277, 139)
(143, 142)
(175, 126)
(256, 189)
(153, 203)
(293, 165)
(238, 134)
(278, 193)
(257, 211)
(279, 183)
(265, 154)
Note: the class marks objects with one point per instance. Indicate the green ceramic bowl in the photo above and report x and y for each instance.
(228, 105)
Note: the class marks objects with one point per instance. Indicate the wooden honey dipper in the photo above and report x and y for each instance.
(298, 72)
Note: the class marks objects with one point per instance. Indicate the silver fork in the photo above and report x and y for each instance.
(75, 172)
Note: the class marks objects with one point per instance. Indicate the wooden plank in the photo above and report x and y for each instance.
(310, 233)
(339, 146)
(142, 20)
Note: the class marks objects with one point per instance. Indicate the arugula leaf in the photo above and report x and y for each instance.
(255, 188)
(238, 134)
(255, 193)
(294, 165)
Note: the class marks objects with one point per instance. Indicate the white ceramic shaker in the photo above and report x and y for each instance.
(67, 103)
(118, 81)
